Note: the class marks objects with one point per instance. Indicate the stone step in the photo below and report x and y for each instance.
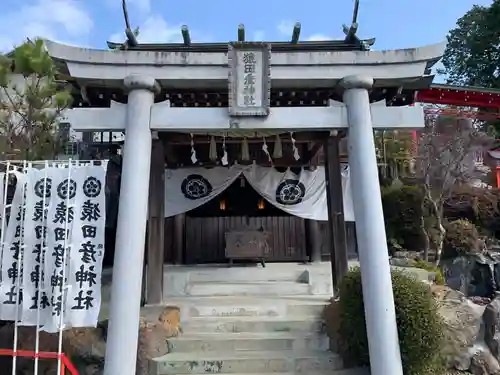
(252, 324)
(251, 306)
(234, 342)
(257, 362)
(254, 288)
(355, 371)
(272, 272)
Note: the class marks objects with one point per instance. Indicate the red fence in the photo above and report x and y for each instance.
(64, 361)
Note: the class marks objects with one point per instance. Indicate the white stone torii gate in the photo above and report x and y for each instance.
(353, 72)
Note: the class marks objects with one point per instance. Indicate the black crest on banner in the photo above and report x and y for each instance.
(290, 192)
(92, 187)
(195, 187)
(43, 187)
(66, 189)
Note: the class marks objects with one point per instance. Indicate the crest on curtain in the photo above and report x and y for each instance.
(301, 193)
(290, 192)
(195, 187)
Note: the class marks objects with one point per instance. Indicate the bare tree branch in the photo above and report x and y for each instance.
(445, 158)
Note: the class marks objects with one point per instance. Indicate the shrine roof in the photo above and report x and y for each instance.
(327, 45)
(475, 89)
(205, 65)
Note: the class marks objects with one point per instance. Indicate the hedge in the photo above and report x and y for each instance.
(420, 326)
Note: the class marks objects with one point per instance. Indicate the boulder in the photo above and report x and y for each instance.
(153, 337)
(484, 363)
(462, 323)
(473, 275)
(492, 327)
(86, 347)
(404, 258)
(170, 320)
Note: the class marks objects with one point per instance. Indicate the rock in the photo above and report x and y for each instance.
(86, 347)
(462, 363)
(474, 274)
(462, 323)
(404, 258)
(414, 255)
(170, 319)
(401, 262)
(152, 344)
(492, 327)
(483, 301)
(401, 254)
(484, 363)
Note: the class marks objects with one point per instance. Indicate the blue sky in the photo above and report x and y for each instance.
(89, 23)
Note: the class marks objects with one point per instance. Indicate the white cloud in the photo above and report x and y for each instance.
(156, 30)
(318, 37)
(286, 28)
(143, 6)
(60, 20)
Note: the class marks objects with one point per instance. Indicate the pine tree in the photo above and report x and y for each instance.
(32, 102)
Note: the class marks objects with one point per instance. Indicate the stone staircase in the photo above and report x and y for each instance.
(252, 324)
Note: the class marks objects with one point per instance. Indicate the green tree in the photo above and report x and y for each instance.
(31, 104)
(472, 56)
(445, 160)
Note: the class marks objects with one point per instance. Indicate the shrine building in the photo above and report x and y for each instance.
(246, 151)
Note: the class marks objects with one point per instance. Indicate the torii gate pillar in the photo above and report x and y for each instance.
(124, 315)
(380, 315)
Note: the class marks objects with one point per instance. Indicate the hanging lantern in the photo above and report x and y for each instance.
(261, 205)
(222, 205)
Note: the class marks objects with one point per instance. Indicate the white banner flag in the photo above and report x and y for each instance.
(53, 247)
(84, 278)
(36, 303)
(3, 184)
(12, 255)
(60, 219)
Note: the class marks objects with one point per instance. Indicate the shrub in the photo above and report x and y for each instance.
(420, 326)
(461, 238)
(478, 205)
(402, 213)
